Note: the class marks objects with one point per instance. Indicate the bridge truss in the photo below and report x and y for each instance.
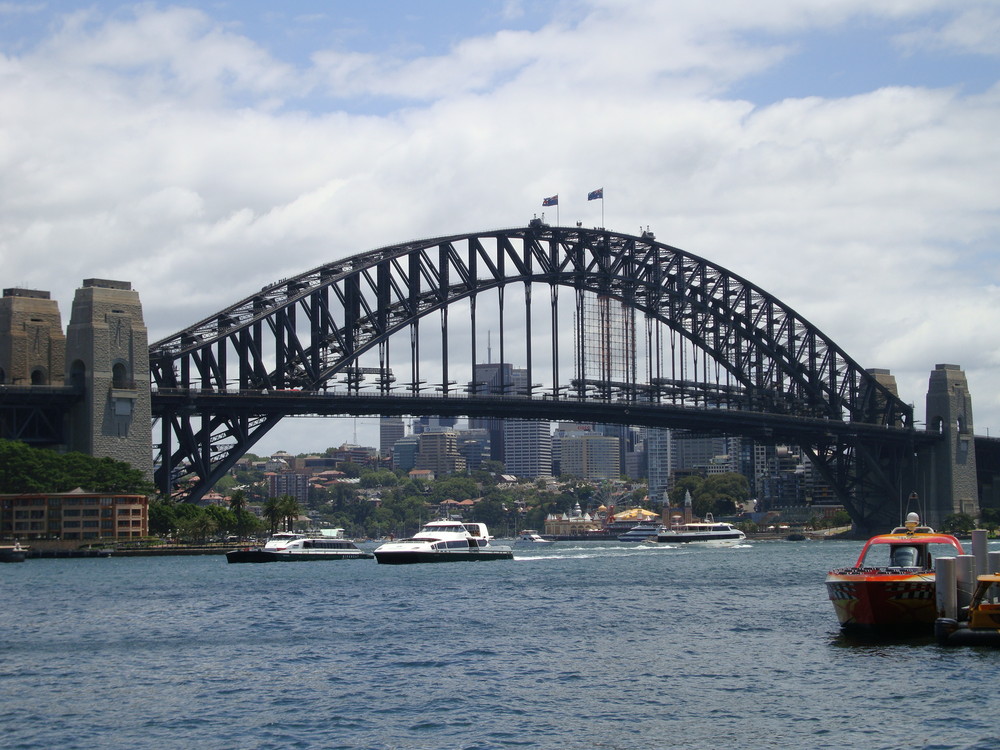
(398, 330)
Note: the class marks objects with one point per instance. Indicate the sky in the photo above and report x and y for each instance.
(840, 154)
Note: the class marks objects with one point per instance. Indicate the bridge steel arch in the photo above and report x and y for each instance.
(712, 352)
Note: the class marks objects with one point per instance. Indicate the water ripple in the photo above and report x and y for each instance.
(585, 645)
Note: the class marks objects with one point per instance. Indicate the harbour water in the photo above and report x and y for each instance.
(580, 645)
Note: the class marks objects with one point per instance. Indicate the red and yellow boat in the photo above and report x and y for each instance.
(890, 590)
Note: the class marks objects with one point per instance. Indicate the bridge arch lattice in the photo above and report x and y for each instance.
(622, 319)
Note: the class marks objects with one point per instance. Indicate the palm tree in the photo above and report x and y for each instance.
(290, 510)
(238, 504)
(273, 512)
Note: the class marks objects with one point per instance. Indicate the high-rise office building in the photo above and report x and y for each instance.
(659, 458)
(497, 379)
(590, 456)
(528, 451)
(390, 429)
(438, 452)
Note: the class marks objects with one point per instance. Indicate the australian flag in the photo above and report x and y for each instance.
(551, 201)
(594, 195)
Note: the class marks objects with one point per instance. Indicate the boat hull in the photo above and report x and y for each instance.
(728, 540)
(632, 536)
(884, 603)
(950, 632)
(264, 556)
(409, 557)
(13, 555)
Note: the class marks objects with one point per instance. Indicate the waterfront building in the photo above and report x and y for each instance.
(404, 452)
(496, 379)
(288, 483)
(659, 457)
(474, 445)
(433, 424)
(587, 455)
(362, 455)
(574, 523)
(696, 452)
(438, 452)
(390, 429)
(528, 451)
(76, 515)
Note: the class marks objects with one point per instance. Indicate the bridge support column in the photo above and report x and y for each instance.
(107, 355)
(31, 338)
(32, 354)
(950, 473)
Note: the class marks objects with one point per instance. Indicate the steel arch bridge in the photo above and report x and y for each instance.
(625, 330)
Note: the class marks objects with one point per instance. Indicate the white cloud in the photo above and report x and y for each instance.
(166, 149)
(974, 30)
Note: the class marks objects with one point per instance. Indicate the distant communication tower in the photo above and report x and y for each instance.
(607, 352)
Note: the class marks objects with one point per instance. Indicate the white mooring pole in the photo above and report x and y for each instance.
(966, 580)
(979, 551)
(945, 587)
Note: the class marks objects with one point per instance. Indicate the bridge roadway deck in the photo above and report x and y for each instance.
(766, 427)
(61, 396)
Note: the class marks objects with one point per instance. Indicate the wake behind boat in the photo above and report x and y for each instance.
(443, 541)
(288, 546)
(891, 588)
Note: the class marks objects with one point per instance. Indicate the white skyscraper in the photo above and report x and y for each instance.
(528, 448)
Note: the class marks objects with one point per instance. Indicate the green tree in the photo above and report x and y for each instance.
(224, 519)
(958, 523)
(245, 521)
(26, 469)
(197, 527)
(162, 517)
(841, 518)
(272, 513)
(349, 468)
(491, 511)
(726, 491)
(290, 510)
(453, 488)
(380, 478)
(692, 484)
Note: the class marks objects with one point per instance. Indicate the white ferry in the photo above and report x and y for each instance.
(643, 532)
(288, 546)
(708, 532)
(443, 541)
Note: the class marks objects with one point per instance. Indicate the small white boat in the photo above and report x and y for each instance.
(709, 533)
(531, 538)
(287, 546)
(443, 541)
